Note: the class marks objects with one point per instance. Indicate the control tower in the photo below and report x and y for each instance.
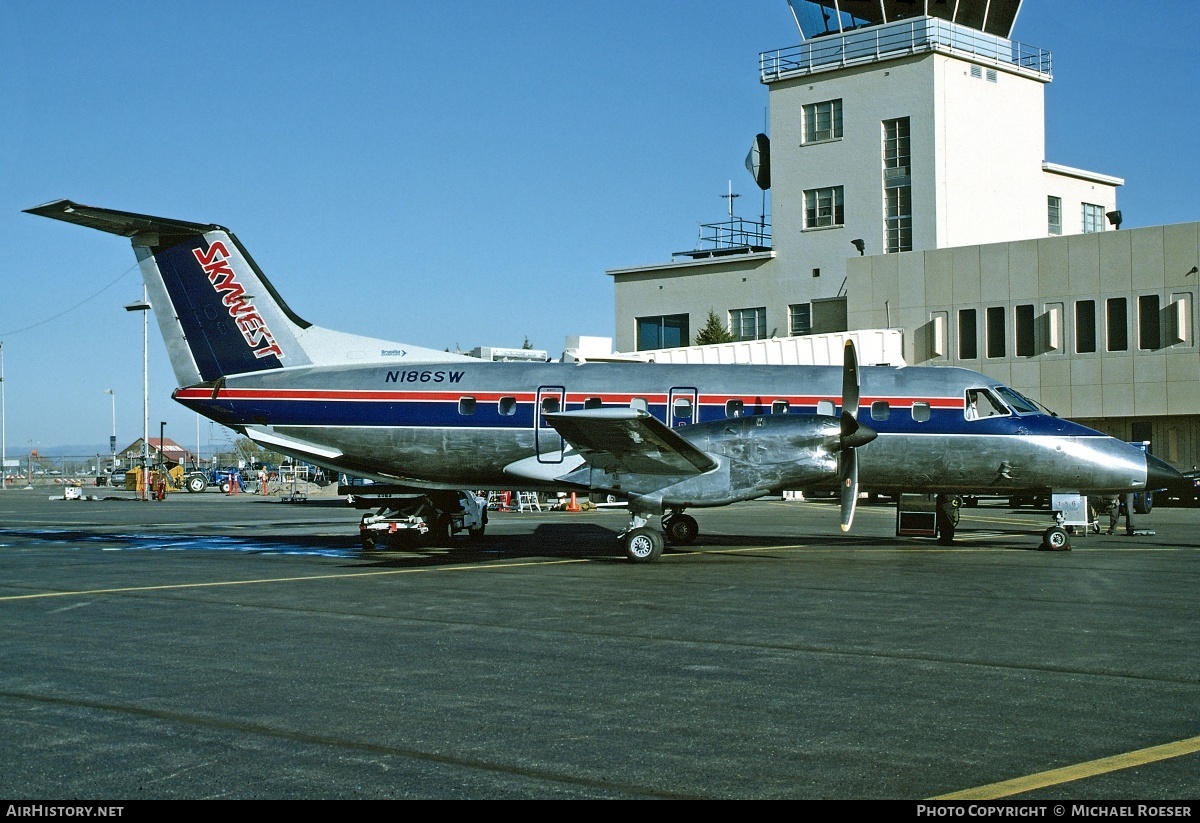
(895, 126)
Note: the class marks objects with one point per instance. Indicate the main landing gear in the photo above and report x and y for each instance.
(645, 544)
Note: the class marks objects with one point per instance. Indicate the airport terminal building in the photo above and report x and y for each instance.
(909, 189)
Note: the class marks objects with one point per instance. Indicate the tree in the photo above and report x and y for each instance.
(714, 331)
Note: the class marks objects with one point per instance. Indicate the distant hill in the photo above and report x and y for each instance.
(58, 451)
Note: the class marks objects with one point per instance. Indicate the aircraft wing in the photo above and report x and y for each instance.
(629, 441)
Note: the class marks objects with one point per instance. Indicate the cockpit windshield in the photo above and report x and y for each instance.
(1020, 403)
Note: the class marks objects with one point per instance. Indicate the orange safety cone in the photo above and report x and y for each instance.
(574, 505)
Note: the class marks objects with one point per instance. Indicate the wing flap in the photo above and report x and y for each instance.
(629, 441)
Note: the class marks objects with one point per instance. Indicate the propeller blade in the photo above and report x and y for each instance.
(850, 384)
(852, 434)
(849, 486)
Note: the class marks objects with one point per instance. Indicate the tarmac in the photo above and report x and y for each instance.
(214, 646)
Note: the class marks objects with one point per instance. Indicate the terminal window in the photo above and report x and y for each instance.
(748, 324)
(1093, 218)
(1118, 324)
(662, 332)
(1149, 327)
(823, 207)
(1085, 326)
(799, 319)
(968, 335)
(1026, 342)
(995, 331)
(823, 121)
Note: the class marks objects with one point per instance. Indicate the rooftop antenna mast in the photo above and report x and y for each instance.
(730, 197)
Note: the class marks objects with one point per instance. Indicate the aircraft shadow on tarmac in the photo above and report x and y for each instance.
(550, 541)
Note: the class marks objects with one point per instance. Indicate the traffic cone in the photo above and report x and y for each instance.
(574, 505)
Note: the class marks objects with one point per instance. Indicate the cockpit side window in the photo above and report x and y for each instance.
(981, 403)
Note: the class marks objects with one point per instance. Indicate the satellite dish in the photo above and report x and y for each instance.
(758, 161)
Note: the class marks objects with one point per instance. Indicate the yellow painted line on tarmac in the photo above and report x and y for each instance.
(1067, 774)
(264, 580)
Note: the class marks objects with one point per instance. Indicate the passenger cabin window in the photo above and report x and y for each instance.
(920, 411)
(466, 405)
(639, 403)
(880, 410)
(507, 406)
(982, 403)
(825, 407)
(593, 403)
(780, 407)
(549, 405)
(683, 408)
(734, 408)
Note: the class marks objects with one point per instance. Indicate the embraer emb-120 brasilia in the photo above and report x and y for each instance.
(666, 438)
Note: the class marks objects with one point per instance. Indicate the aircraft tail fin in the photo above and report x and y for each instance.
(218, 313)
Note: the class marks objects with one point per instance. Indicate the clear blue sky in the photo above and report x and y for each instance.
(444, 174)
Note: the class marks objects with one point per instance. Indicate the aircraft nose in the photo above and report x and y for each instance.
(1160, 474)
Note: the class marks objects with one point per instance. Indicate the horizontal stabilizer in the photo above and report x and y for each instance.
(123, 223)
(629, 441)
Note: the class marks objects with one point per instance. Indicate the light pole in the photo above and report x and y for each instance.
(162, 427)
(112, 439)
(144, 306)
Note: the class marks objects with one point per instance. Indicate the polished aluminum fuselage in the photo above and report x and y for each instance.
(466, 425)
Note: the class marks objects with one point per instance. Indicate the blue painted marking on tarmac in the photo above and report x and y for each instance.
(313, 546)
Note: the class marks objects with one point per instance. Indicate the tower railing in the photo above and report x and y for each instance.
(736, 235)
(891, 40)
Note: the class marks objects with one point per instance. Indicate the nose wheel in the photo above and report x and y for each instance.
(1056, 539)
(643, 545)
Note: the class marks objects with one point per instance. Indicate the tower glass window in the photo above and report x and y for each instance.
(663, 332)
(1093, 218)
(897, 186)
(823, 121)
(748, 324)
(1053, 215)
(823, 207)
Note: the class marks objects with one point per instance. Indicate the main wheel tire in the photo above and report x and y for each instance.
(1145, 502)
(681, 529)
(644, 545)
(196, 483)
(440, 531)
(1056, 539)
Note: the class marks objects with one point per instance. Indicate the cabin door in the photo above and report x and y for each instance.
(547, 442)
